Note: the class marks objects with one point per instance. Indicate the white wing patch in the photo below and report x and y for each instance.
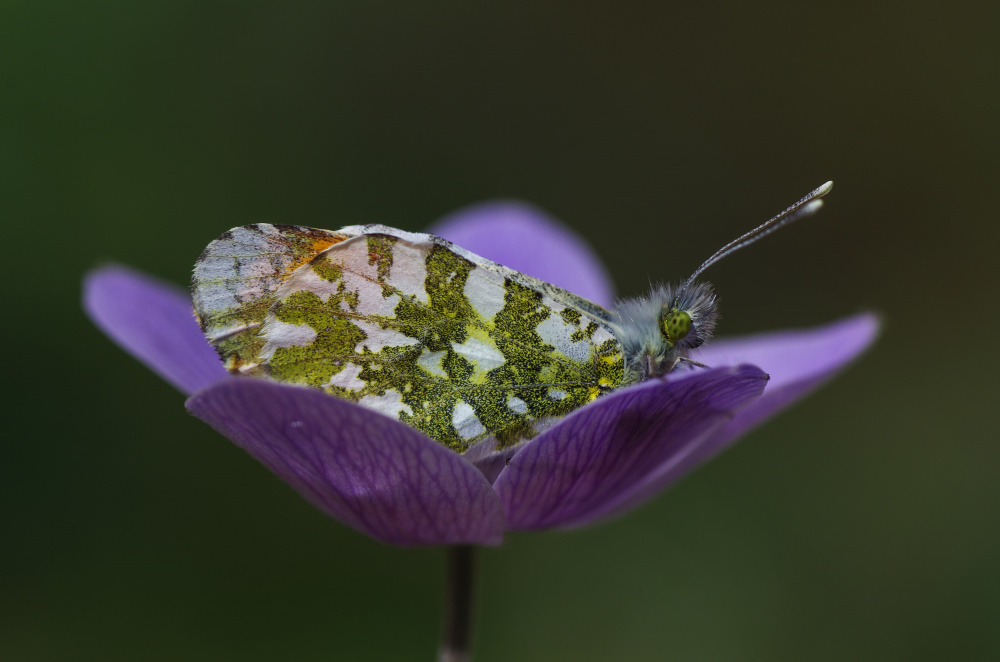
(483, 353)
(379, 337)
(431, 362)
(390, 404)
(517, 405)
(483, 295)
(558, 332)
(282, 334)
(465, 421)
(348, 377)
(307, 280)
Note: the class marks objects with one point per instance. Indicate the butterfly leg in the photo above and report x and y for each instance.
(690, 363)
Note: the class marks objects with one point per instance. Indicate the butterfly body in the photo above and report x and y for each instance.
(465, 350)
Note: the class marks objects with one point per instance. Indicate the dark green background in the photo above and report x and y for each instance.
(861, 525)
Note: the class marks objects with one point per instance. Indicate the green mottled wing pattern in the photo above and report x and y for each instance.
(448, 342)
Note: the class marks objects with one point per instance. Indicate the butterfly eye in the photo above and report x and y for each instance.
(675, 325)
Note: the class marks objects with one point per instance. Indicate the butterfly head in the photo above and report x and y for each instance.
(658, 330)
(687, 318)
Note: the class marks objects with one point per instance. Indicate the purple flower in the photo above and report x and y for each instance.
(391, 482)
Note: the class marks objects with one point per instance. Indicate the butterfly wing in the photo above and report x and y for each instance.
(446, 341)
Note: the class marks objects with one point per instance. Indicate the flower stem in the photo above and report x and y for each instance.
(456, 637)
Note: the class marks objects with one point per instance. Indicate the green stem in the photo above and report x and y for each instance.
(456, 637)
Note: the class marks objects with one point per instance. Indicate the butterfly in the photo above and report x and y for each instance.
(412, 326)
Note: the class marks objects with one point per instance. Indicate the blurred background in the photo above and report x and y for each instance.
(860, 525)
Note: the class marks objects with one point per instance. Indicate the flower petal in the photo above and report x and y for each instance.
(154, 322)
(524, 238)
(797, 362)
(596, 457)
(367, 470)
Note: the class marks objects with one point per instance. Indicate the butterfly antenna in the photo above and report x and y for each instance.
(807, 206)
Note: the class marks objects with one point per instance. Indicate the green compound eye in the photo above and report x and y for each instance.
(675, 325)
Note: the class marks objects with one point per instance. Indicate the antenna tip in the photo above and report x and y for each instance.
(822, 190)
(810, 208)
